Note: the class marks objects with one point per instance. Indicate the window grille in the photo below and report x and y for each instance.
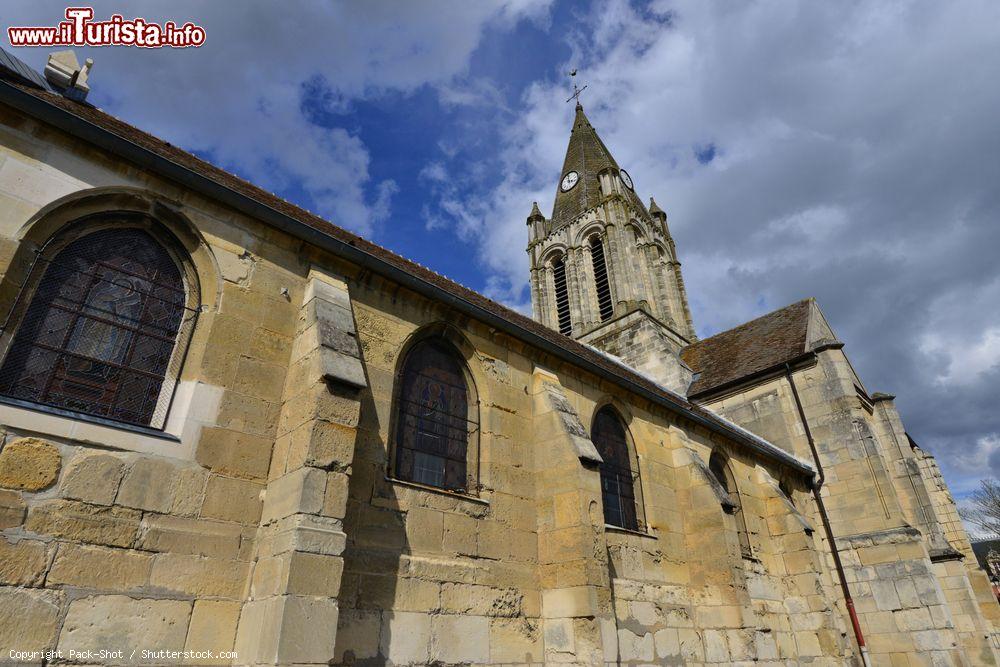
(604, 303)
(104, 331)
(562, 297)
(724, 474)
(434, 423)
(619, 479)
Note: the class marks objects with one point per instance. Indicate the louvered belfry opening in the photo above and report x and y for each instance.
(99, 330)
(604, 303)
(562, 297)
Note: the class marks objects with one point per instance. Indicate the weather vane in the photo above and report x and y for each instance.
(576, 91)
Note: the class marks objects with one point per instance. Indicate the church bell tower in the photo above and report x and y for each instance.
(604, 268)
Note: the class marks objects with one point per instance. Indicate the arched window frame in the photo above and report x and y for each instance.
(48, 255)
(621, 482)
(452, 344)
(720, 466)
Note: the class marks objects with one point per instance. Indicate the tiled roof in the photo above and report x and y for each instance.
(758, 345)
(391, 261)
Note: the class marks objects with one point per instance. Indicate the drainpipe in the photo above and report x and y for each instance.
(816, 488)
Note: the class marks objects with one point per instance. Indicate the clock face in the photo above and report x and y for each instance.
(569, 180)
(626, 179)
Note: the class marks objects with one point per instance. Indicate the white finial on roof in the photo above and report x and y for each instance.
(64, 72)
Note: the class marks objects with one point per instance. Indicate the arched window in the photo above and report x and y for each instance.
(562, 297)
(604, 303)
(720, 468)
(617, 475)
(435, 420)
(99, 332)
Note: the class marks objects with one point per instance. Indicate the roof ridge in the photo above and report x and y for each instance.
(754, 320)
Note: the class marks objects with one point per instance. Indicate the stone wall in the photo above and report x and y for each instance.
(912, 591)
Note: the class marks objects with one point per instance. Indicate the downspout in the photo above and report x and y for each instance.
(816, 488)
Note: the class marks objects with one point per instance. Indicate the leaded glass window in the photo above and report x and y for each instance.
(100, 329)
(434, 421)
(617, 475)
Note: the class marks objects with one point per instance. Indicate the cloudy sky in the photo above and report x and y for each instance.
(848, 151)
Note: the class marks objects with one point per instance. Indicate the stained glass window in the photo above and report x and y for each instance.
(99, 331)
(617, 476)
(434, 421)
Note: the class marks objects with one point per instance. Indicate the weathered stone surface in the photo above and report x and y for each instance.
(149, 485)
(233, 453)
(99, 567)
(232, 499)
(406, 637)
(72, 520)
(515, 640)
(358, 635)
(199, 576)
(12, 509)
(93, 478)
(28, 620)
(116, 622)
(460, 639)
(30, 464)
(189, 490)
(190, 536)
(299, 491)
(213, 627)
(301, 617)
(23, 563)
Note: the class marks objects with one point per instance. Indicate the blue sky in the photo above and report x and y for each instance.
(847, 151)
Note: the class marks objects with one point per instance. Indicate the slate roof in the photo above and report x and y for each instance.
(587, 155)
(98, 125)
(752, 347)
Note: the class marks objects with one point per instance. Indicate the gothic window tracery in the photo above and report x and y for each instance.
(618, 477)
(99, 331)
(434, 420)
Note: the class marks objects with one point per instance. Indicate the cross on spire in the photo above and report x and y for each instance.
(576, 91)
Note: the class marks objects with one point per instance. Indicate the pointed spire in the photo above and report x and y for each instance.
(535, 212)
(579, 187)
(586, 156)
(655, 210)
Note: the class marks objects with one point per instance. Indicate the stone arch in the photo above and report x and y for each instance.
(182, 237)
(636, 228)
(621, 487)
(447, 340)
(552, 253)
(132, 363)
(583, 235)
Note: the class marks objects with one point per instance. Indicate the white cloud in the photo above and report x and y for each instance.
(240, 97)
(856, 158)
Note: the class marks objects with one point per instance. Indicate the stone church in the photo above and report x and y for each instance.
(235, 433)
